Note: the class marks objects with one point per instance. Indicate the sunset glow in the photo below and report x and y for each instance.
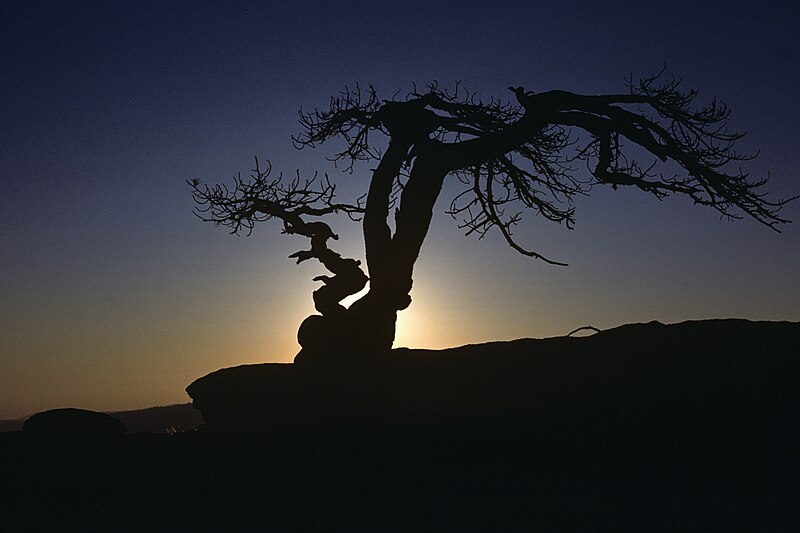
(115, 296)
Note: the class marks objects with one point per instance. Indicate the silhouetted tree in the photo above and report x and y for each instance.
(524, 153)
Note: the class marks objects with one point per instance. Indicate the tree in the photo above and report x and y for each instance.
(507, 154)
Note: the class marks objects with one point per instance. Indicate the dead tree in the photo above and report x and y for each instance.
(511, 156)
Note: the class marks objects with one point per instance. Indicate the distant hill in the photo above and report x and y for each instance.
(11, 425)
(161, 419)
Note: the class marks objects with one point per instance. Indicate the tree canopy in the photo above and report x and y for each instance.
(534, 153)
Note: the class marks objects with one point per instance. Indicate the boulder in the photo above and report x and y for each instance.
(73, 421)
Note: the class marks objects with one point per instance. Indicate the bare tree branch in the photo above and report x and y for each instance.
(261, 198)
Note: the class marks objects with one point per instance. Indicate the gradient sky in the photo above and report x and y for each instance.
(114, 296)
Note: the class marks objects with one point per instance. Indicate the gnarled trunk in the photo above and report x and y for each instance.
(391, 267)
(367, 328)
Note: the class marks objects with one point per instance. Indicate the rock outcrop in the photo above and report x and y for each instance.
(700, 372)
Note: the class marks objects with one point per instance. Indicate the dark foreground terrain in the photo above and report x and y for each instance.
(691, 426)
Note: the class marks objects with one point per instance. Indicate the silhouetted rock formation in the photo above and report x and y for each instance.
(686, 373)
(73, 421)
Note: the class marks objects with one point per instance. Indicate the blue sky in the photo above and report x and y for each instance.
(115, 296)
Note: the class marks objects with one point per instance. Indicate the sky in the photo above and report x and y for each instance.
(114, 296)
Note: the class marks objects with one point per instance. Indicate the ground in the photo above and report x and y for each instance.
(683, 427)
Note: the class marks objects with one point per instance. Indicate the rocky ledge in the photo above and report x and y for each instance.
(691, 375)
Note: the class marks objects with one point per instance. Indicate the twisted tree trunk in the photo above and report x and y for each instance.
(391, 266)
(367, 328)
